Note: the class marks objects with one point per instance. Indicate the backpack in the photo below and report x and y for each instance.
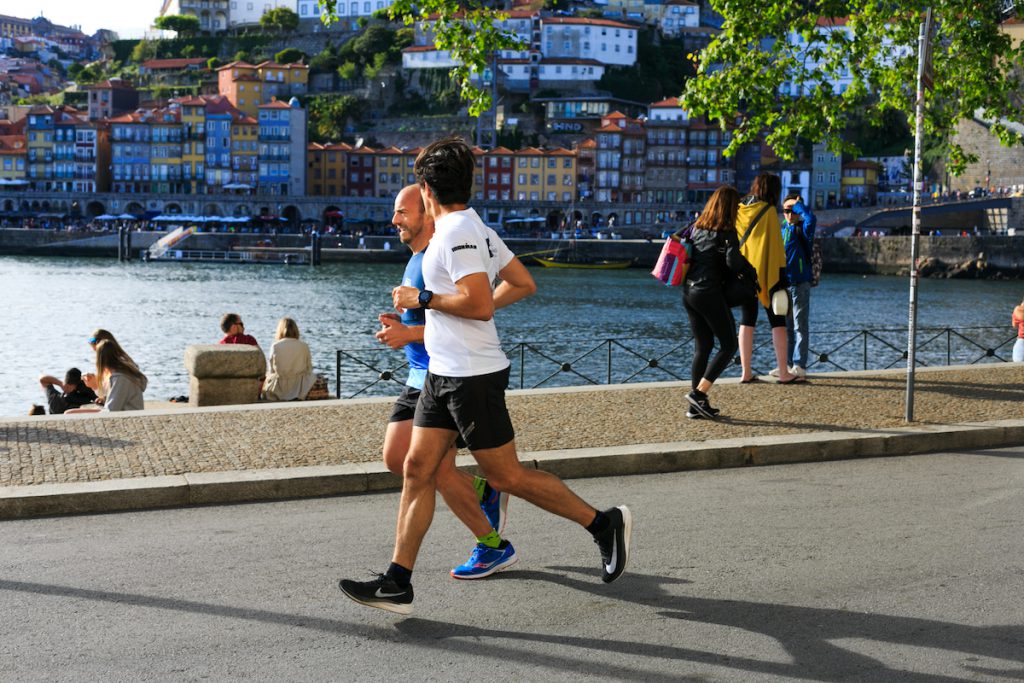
(815, 263)
(814, 249)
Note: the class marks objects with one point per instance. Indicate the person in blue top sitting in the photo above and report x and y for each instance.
(798, 234)
(481, 508)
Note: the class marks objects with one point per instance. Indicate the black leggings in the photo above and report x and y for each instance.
(710, 317)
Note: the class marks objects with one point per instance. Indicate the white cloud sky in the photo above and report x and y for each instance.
(130, 18)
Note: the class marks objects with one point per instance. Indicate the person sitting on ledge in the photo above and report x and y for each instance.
(73, 391)
(122, 381)
(234, 331)
(291, 365)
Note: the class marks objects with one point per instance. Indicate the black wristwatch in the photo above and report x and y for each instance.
(425, 296)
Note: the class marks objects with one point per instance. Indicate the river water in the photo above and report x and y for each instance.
(157, 309)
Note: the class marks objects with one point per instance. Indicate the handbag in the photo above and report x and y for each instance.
(743, 285)
(674, 261)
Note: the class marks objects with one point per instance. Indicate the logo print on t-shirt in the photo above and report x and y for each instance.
(490, 252)
(457, 247)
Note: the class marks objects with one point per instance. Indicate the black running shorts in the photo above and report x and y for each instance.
(405, 408)
(405, 404)
(472, 406)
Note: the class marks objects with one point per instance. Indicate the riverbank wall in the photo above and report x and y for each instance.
(986, 256)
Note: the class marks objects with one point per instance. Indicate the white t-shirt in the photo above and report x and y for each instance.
(462, 245)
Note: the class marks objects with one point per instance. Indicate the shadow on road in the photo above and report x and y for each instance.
(804, 632)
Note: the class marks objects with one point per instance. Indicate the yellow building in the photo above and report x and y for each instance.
(528, 175)
(325, 169)
(247, 86)
(559, 177)
(390, 176)
(193, 152)
(860, 182)
(244, 151)
(283, 81)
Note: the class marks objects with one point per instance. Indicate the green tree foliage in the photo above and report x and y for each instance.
(183, 24)
(741, 73)
(324, 62)
(348, 71)
(330, 114)
(467, 30)
(143, 50)
(279, 20)
(289, 55)
(213, 63)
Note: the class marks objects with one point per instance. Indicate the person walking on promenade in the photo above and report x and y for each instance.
(477, 505)
(464, 391)
(798, 234)
(713, 236)
(758, 228)
(1018, 322)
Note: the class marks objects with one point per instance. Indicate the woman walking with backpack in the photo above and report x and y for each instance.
(713, 237)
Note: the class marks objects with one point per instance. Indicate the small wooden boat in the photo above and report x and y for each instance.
(574, 259)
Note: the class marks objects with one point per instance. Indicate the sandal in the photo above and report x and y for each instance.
(752, 380)
(797, 379)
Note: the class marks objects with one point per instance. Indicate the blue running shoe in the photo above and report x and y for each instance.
(486, 561)
(495, 508)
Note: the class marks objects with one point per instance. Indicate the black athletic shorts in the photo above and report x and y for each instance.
(405, 404)
(405, 408)
(472, 406)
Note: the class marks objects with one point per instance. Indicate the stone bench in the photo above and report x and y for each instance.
(224, 374)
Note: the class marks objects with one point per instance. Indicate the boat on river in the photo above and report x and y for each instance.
(574, 257)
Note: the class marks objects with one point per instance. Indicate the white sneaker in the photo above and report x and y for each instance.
(774, 372)
(798, 371)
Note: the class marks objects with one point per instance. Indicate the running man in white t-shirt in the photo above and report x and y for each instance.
(464, 393)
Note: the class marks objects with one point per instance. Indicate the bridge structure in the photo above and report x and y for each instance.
(991, 214)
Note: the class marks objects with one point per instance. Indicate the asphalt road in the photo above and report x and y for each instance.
(907, 568)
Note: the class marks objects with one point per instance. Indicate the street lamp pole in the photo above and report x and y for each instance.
(923, 50)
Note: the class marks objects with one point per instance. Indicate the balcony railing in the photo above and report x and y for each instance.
(381, 371)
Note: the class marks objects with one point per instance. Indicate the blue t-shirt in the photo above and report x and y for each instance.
(415, 353)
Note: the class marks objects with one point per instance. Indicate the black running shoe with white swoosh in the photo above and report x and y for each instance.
(614, 542)
(382, 593)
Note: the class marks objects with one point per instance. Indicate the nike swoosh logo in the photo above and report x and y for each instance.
(381, 594)
(610, 567)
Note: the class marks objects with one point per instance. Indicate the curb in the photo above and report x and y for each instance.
(243, 486)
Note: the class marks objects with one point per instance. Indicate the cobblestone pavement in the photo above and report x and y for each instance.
(66, 449)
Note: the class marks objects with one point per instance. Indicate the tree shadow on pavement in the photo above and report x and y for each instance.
(51, 436)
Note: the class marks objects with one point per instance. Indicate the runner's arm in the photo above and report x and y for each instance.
(516, 284)
(396, 335)
(473, 300)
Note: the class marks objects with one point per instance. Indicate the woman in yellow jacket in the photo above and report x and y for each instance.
(766, 251)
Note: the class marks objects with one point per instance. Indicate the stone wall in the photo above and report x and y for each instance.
(1003, 166)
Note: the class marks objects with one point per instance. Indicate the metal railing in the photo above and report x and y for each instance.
(558, 363)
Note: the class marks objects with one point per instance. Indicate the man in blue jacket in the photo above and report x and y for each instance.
(798, 233)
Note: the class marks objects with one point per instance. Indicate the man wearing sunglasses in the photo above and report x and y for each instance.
(798, 234)
(234, 331)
